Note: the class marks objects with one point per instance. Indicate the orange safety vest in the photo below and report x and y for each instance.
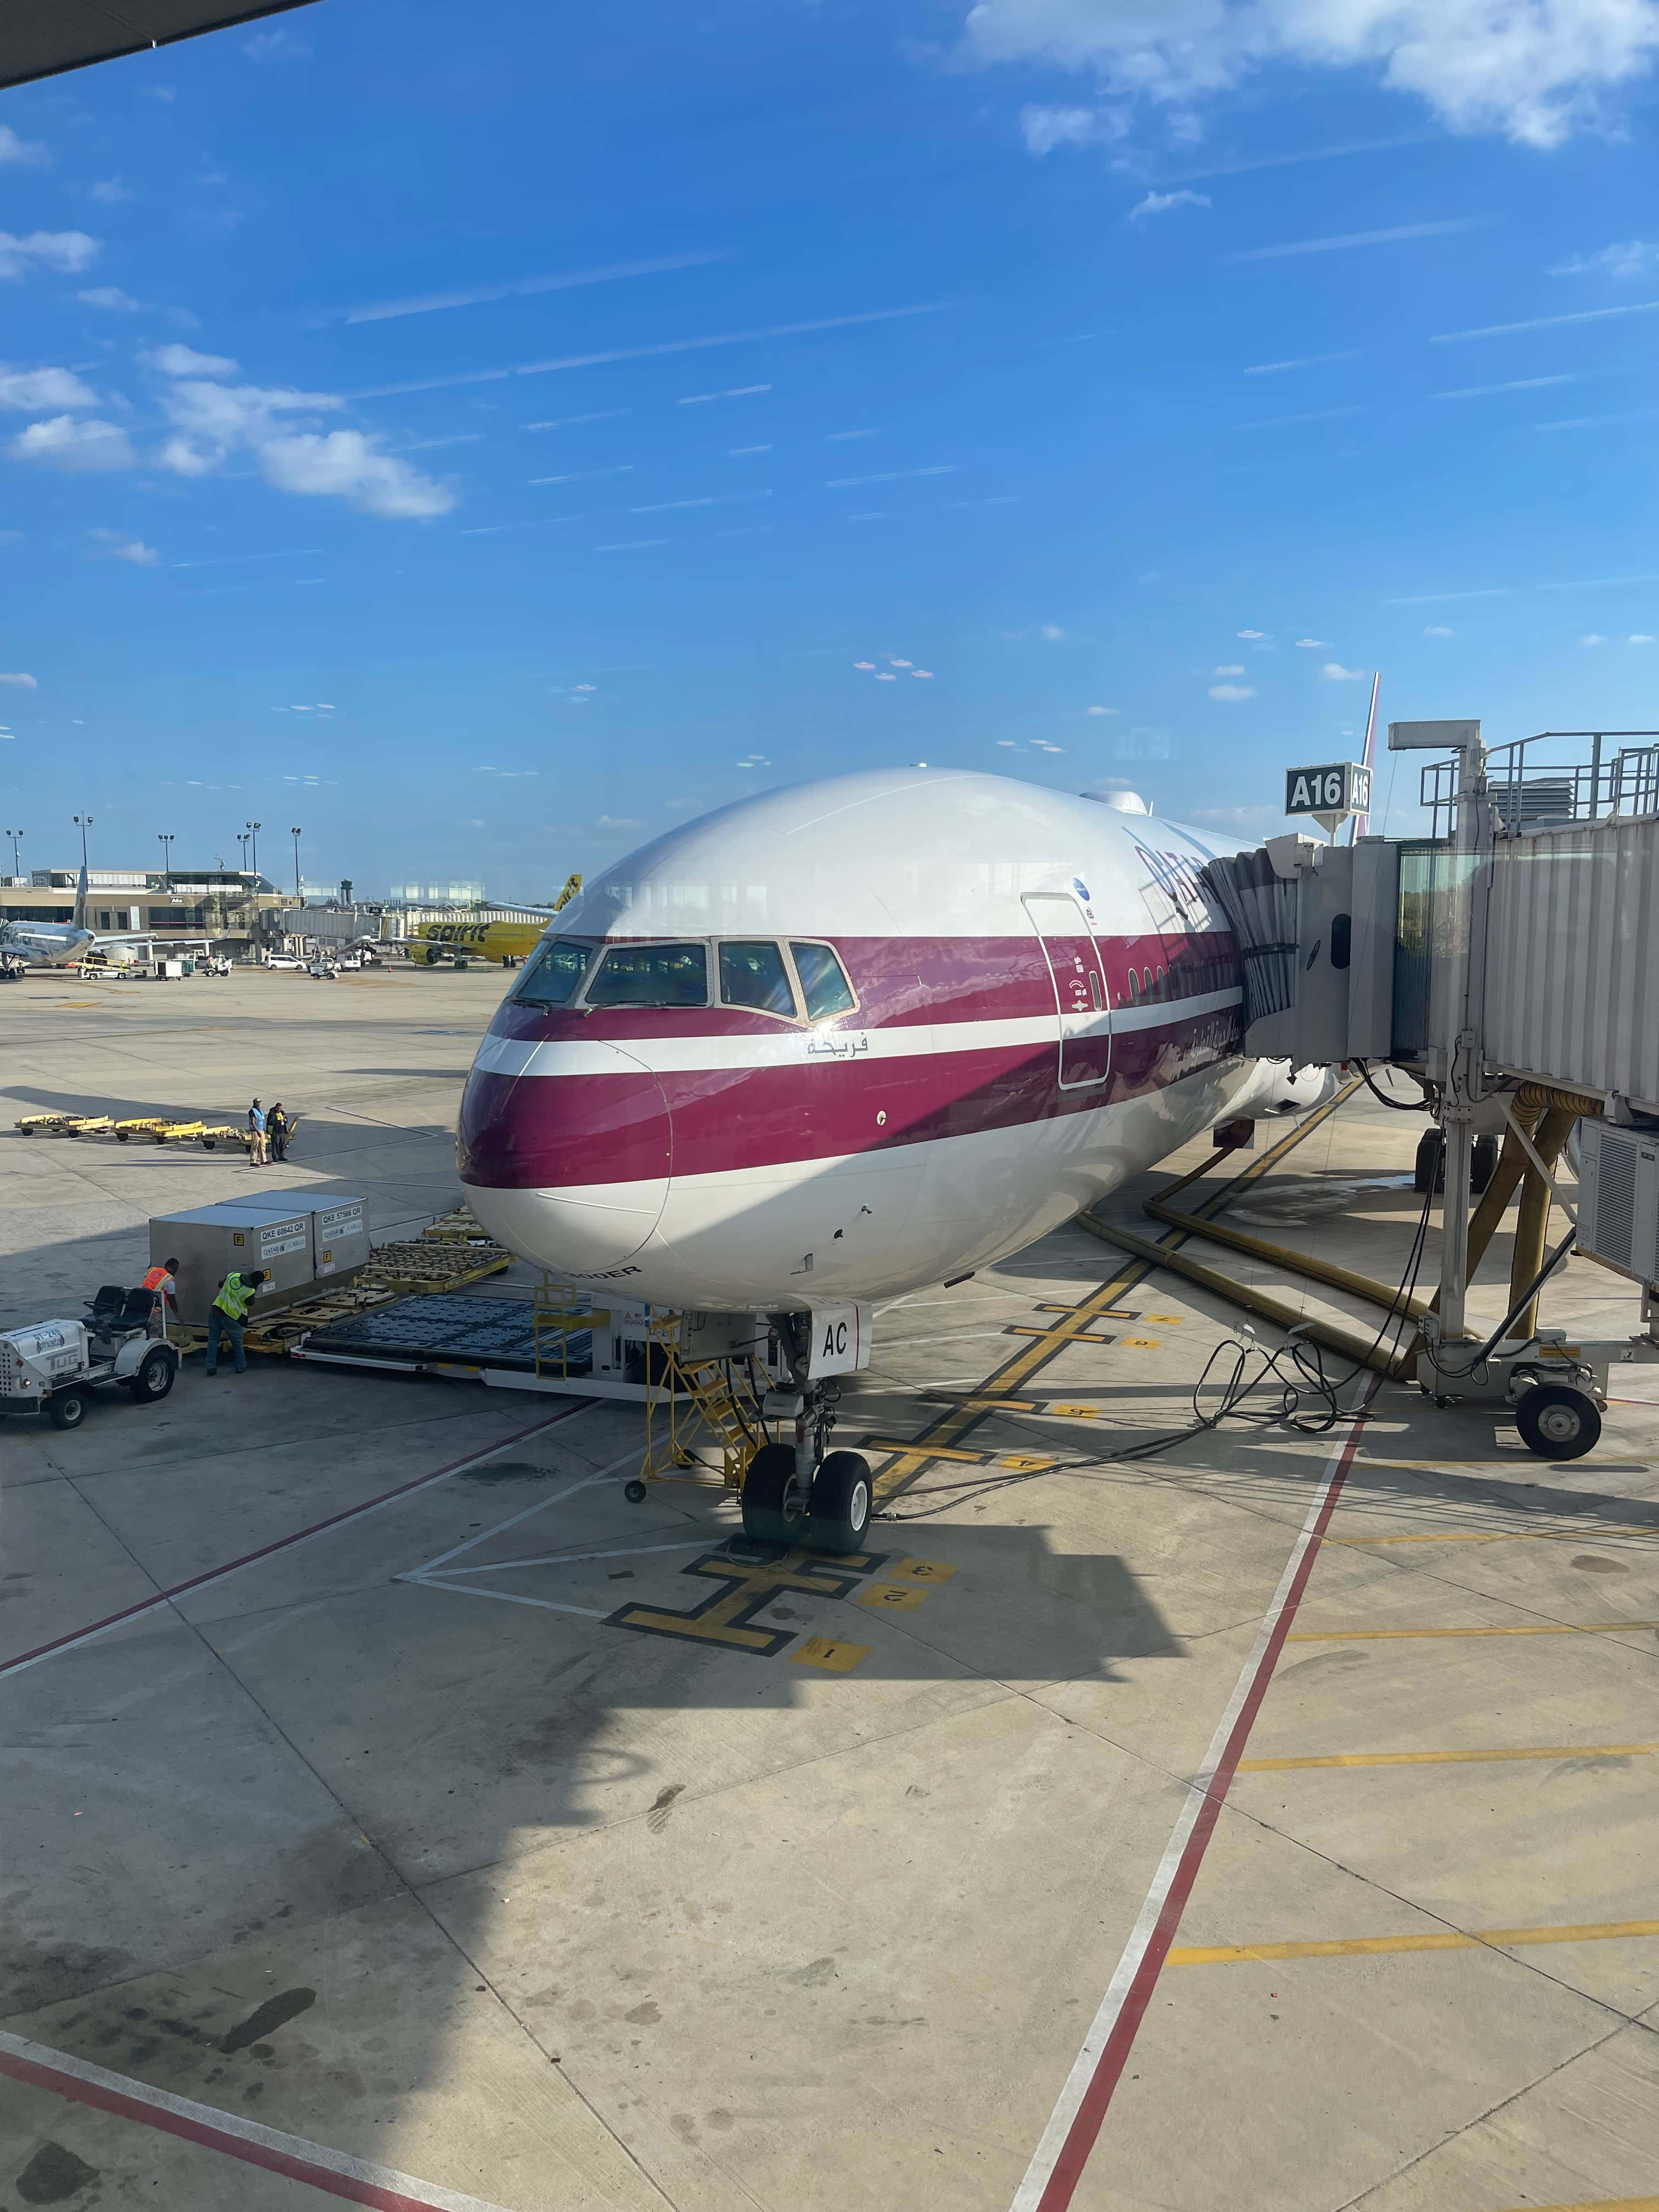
(156, 1277)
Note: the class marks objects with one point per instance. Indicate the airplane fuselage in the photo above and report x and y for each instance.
(844, 1041)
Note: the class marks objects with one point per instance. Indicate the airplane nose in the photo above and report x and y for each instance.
(566, 1151)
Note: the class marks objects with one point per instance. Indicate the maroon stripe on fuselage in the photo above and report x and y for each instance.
(909, 982)
(520, 1132)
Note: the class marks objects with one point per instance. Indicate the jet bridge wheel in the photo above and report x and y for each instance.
(1429, 1169)
(1558, 1422)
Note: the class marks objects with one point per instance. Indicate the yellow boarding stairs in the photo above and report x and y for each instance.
(689, 1405)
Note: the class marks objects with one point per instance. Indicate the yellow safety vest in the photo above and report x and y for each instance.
(235, 1297)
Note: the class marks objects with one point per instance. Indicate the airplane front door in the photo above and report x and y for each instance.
(1080, 994)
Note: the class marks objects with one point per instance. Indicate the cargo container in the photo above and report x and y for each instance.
(297, 1239)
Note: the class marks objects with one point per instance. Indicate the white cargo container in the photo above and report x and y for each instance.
(297, 1239)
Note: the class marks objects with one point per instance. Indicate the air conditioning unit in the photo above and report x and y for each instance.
(1618, 1199)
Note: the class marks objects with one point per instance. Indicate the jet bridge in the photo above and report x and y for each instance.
(1509, 964)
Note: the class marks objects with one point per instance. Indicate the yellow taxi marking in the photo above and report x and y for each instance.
(937, 1451)
(1451, 1758)
(1024, 1462)
(894, 1598)
(725, 1616)
(1110, 1313)
(966, 1399)
(1394, 1635)
(1027, 1463)
(1075, 1413)
(1601, 2204)
(1175, 1321)
(1018, 1369)
(1511, 1536)
(1055, 1335)
(1141, 1343)
(1369, 1946)
(920, 1571)
(833, 1656)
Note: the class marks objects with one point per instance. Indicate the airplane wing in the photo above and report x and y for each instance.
(41, 37)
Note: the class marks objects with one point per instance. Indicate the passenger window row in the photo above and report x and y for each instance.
(759, 974)
(1188, 979)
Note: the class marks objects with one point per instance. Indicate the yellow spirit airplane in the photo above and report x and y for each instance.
(505, 942)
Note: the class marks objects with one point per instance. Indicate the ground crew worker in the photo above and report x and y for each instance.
(228, 1313)
(161, 1283)
(280, 1129)
(256, 1156)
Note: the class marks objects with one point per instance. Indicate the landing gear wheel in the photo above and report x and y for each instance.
(769, 1475)
(154, 1379)
(1483, 1164)
(1558, 1422)
(1429, 1171)
(634, 1492)
(840, 1519)
(69, 1409)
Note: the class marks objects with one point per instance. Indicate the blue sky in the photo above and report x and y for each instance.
(485, 449)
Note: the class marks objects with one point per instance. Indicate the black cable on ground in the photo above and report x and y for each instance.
(1397, 1105)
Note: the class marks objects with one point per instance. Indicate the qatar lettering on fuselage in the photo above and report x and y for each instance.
(837, 1042)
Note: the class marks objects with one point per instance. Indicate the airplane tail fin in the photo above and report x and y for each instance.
(81, 899)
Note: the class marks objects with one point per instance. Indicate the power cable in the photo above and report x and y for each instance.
(1398, 1105)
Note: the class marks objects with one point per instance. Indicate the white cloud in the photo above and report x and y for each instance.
(1161, 202)
(30, 388)
(1631, 257)
(214, 420)
(1639, 637)
(1231, 691)
(69, 252)
(111, 191)
(111, 295)
(1335, 672)
(1101, 710)
(1251, 633)
(1233, 668)
(1534, 71)
(1593, 637)
(65, 443)
(21, 682)
(22, 151)
(1437, 630)
(621, 821)
(1052, 632)
(185, 360)
(117, 546)
(1045, 128)
(1314, 644)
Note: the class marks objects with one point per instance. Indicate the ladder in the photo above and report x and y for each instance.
(690, 1401)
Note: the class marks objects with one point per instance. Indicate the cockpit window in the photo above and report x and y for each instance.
(822, 981)
(556, 969)
(753, 975)
(652, 976)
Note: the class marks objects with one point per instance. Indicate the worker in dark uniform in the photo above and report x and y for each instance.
(228, 1313)
(279, 1129)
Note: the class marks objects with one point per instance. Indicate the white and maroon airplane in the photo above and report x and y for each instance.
(840, 1041)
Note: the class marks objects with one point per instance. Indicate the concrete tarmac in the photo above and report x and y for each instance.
(504, 1843)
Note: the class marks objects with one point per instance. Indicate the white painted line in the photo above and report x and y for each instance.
(575, 1558)
(505, 1597)
(360, 2181)
(215, 1574)
(1057, 2164)
(513, 1519)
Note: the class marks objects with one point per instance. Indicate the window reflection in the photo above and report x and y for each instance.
(753, 975)
(652, 976)
(822, 981)
(555, 970)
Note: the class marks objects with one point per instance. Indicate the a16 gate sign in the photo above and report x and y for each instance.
(1338, 787)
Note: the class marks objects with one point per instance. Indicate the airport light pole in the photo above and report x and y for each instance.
(241, 839)
(295, 833)
(17, 836)
(253, 829)
(82, 822)
(164, 839)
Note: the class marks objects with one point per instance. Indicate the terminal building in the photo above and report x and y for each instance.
(240, 912)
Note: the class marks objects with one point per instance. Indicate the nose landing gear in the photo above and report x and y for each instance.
(803, 1493)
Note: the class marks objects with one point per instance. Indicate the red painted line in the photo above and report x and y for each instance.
(266, 1551)
(357, 2180)
(1056, 2168)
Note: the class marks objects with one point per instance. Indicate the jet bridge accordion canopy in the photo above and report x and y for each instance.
(40, 38)
(1261, 907)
